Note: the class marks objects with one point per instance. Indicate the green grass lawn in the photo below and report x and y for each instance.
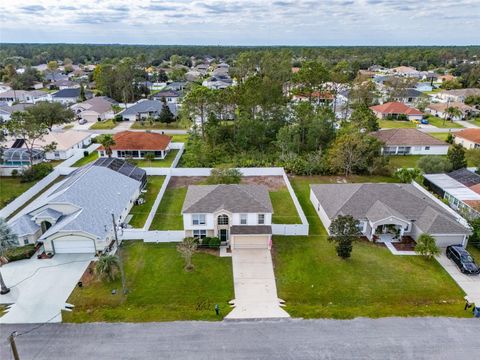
(475, 121)
(284, 211)
(475, 252)
(168, 215)
(104, 125)
(155, 126)
(440, 136)
(440, 123)
(301, 186)
(87, 159)
(11, 188)
(316, 283)
(159, 288)
(180, 137)
(140, 212)
(167, 162)
(399, 161)
(393, 124)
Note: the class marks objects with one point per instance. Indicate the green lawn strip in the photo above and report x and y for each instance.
(179, 137)
(167, 162)
(406, 161)
(140, 212)
(316, 283)
(87, 159)
(394, 124)
(440, 136)
(159, 288)
(475, 252)
(33, 198)
(284, 211)
(301, 186)
(11, 188)
(104, 125)
(445, 124)
(168, 215)
(155, 126)
(475, 121)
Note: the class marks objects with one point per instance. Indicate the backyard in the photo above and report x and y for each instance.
(11, 188)
(87, 159)
(159, 289)
(316, 283)
(440, 136)
(145, 125)
(140, 212)
(395, 124)
(104, 125)
(167, 162)
(168, 215)
(284, 211)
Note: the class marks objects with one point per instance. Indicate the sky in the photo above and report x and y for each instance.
(242, 22)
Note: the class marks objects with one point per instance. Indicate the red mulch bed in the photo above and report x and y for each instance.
(407, 244)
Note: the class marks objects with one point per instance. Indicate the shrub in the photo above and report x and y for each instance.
(20, 253)
(434, 164)
(224, 176)
(426, 246)
(36, 172)
(205, 241)
(85, 153)
(214, 243)
(14, 173)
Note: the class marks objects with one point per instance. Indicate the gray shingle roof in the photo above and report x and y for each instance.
(49, 213)
(24, 226)
(146, 106)
(232, 198)
(369, 201)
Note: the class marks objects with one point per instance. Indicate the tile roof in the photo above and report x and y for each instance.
(395, 108)
(232, 198)
(470, 135)
(409, 137)
(139, 140)
(444, 106)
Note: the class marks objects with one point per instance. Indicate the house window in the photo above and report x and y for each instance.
(222, 220)
(427, 147)
(199, 234)
(25, 242)
(198, 219)
(261, 219)
(243, 219)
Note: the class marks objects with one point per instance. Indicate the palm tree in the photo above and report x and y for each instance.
(427, 246)
(454, 112)
(8, 239)
(107, 141)
(108, 267)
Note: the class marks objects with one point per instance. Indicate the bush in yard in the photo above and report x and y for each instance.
(450, 138)
(456, 155)
(434, 164)
(344, 231)
(406, 176)
(85, 153)
(224, 176)
(36, 172)
(108, 267)
(14, 173)
(214, 243)
(426, 246)
(206, 241)
(187, 248)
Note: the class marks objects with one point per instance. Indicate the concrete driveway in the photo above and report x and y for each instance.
(40, 288)
(255, 288)
(469, 284)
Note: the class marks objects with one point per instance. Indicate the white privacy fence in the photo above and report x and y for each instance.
(153, 236)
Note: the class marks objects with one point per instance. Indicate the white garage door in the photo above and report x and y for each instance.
(445, 240)
(74, 246)
(250, 241)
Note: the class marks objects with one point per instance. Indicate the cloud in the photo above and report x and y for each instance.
(32, 9)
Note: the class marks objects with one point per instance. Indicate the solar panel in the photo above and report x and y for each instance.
(123, 167)
(465, 177)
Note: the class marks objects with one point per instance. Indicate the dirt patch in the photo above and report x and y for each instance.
(407, 244)
(271, 182)
(215, 252)
(184, 181)
(89, 274)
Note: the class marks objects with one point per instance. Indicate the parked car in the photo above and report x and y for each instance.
(424, 121)
(462, 259)
(82, 121)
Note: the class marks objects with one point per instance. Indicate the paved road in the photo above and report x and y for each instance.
(390, 338)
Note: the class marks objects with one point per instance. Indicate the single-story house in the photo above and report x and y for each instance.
(461, 188)
(69, 96)
(98, 108)
(440, 110)
(67, 142)
(145, 109)
(395, 109)
(409, 142)
(404, 71)
(63, 84)
(7, 111)
(171, 96)
(457, 95)
(409, 96)
(468, 138)
(23, 96)
(217, 82)
(77, 216)
(136, 144)
(387, 212)
(239, 215)
(319, 97)
(16, 157)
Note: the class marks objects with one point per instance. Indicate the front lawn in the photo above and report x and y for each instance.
(396, 124)
(168, 215)
(445, 124)
(159, 288)
(87, 159)
(140, 212)
(104, 125)
(301, 186)
(284, 211)
(144, 125)
(167, 162)
(475, 121)
(316, 283)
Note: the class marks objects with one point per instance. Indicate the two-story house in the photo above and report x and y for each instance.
(239, 215)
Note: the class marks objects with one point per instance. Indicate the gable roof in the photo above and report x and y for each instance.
(65, 140)
(470, 135)
(444, 106)
(411, 137)
(139, 140)
(146, 106)
(403, 201)
(98, 104)
(232, 198)
(69, 93)
(395, 107)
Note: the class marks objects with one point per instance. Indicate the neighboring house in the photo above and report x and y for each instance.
(468, 138)
(395, 110)
(217, 82)
(7, 111)
(409, 142)
(319, 97)
(23, 96)
(193, 75)
(405, 71)
(387, 212)
(136, 144)
(443, 78)
(77, 216)
(64, 84)
(146, 109)
(240, 215)
(67, 142)
(440, 110)
(171, 96)
(16, 157)
(98, 108)
(409, 96)
(53, 76)
(457, 95)
(176, 85)
(69, 96)
(461, 188)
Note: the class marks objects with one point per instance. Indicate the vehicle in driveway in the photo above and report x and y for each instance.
(82, 121)
(462, 259)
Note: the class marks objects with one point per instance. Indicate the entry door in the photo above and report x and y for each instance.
(223, 235)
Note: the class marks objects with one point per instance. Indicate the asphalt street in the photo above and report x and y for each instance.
(387, 338)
